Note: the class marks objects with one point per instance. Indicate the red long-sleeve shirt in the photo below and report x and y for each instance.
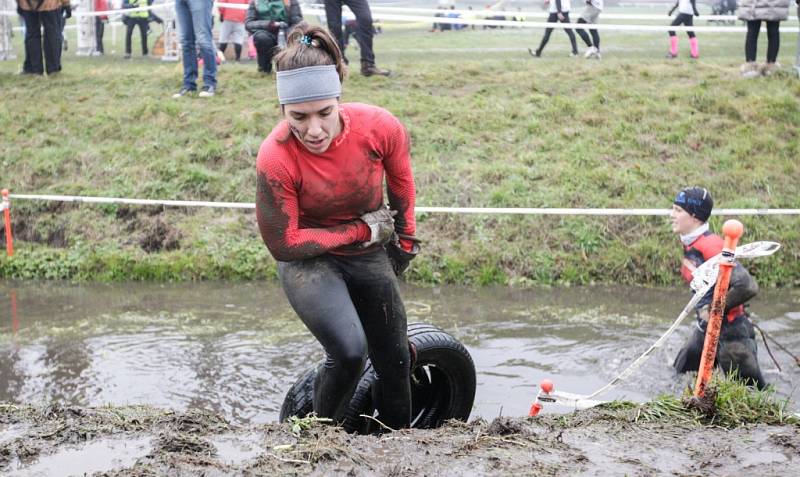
(308, 204)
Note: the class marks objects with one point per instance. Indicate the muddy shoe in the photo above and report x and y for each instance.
(768, 69)
(372, 70)
(749, 70)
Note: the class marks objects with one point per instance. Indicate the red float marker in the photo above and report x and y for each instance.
(732, 230)
(545, 386)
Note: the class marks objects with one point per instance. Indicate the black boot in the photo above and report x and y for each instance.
(368, 69)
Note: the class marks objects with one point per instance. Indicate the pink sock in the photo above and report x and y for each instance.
(693, 47)
(673, 45)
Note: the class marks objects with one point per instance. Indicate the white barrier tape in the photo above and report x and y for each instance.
(503, 23)
(561, 26)
(444, 210)
(467, 14)
(78, 13)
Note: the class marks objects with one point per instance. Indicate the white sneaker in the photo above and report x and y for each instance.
(597, 54)
(590, 52)
(207, 92)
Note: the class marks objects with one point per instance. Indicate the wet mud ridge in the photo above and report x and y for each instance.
(136, 441)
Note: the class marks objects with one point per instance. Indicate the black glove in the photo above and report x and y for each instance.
(398, 257)
(669, 14)
(221, 19)
(273, 26)
(381, 225)
(68, 11)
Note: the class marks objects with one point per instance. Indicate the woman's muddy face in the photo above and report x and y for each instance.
(314, 123)
(683, 222)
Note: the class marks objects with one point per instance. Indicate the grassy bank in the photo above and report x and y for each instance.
(490, 127)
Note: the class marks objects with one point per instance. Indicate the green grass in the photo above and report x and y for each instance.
(490, 127)
(734, 405)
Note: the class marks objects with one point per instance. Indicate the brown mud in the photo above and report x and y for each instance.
(613, 440)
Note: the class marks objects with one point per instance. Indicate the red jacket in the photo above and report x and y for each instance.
(234, 14)
(309, 204)
(101, 6)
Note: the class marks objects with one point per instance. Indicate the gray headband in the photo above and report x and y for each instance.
(308, 84)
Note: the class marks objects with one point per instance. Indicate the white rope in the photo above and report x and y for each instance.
(467, 14)
(443, 210)
(572, 26)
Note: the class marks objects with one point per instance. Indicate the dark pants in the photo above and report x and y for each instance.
(265, 43)
(35, 43)
(352, 306)
(683, 19)
(736, 352)
(99, 29)
(363, 33)
(130, 24)
(553, 18)
(595, 41)
(773, 40)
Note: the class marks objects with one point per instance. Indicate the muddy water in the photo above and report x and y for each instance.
(235, 348)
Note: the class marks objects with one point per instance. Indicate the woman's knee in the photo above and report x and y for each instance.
(350, 357)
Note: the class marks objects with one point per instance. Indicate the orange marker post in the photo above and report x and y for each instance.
(7, 222)
(732, 230)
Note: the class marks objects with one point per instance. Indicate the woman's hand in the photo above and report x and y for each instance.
(399, 257)
(381, 225)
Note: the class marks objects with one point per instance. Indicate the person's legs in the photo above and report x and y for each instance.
(773, 41)
(237, 48)
(52, 23)
(364, 32)
(673, 39)
(375, 293)
(751, 41)
(582, 33)
(143, 26)
(570, 34)
(201, 22)
(129, 26)
(694, 49)
(33, 43)
(99, 28)
(552, 18)
(265, 43)
(317, 292)
(333, 15)
(188, 48)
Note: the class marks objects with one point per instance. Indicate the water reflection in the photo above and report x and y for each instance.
(236, 348)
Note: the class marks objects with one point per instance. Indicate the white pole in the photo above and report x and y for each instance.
(85, 23)
(6, 28)
(797, 57)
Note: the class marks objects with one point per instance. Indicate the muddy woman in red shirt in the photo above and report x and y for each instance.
(321, 212)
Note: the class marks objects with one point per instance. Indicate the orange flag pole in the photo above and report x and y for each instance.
(7, 220)
(732, 230)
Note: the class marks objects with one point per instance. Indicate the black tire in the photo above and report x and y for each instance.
(299, 400)
(442, 385)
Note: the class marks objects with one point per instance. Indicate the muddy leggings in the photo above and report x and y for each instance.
(736, 351)
(683, 19)
(352, 305)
